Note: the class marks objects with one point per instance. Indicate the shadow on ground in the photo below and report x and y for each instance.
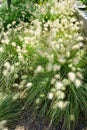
(26, 122)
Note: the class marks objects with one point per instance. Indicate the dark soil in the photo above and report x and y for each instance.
(26, 122)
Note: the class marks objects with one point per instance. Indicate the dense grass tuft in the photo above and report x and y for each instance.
(43, 64)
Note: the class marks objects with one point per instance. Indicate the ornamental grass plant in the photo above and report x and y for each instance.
(43, 64)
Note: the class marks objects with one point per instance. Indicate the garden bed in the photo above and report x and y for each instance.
(43, 66)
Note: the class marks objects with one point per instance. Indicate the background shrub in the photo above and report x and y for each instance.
(20, 10)
(84, 1)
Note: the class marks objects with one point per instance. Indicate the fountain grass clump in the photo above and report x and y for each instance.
(42, 64)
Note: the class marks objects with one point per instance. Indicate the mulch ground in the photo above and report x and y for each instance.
(29, 123)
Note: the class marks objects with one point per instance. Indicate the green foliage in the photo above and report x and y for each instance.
(39, 1)
(20, 10)
(9, 109)
(84, 1)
